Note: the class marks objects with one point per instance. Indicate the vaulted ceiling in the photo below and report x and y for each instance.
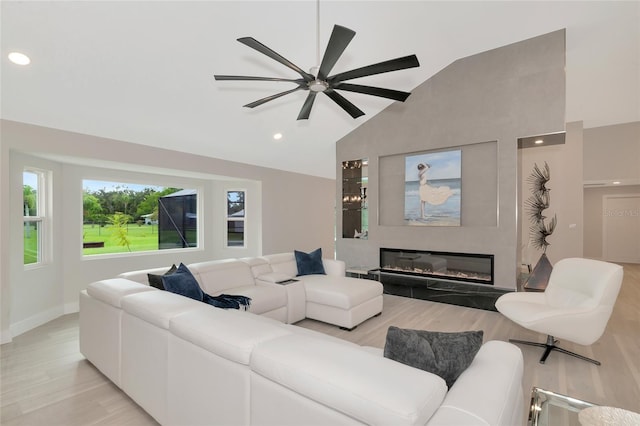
(142, 72)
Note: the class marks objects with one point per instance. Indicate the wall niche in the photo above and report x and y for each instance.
(479, 187)
(355, 215)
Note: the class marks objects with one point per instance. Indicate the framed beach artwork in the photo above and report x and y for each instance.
(432, 188)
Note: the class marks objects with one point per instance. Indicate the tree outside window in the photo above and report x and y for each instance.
(126, 217)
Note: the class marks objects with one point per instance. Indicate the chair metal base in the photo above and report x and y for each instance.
(549, 346)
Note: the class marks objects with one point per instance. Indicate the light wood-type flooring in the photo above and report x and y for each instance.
(46, 381)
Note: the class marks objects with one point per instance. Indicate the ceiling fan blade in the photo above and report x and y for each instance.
(340, 39)
(255, 44)
(397, 64)
(250, 78)
(351, 109)
(396, 95)
(306, 107)
(270, 98)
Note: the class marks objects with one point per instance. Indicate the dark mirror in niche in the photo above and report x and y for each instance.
(355, 216)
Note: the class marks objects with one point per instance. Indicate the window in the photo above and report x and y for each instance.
(126, 217)
(235, 218)
(33, 207)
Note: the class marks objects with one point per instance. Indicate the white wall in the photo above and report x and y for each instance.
(35, 295)
(285, 211)
(611, 153)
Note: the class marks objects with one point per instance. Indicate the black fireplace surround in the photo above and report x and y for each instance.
(464, 279)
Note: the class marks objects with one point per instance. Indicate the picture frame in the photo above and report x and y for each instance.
(433, 183)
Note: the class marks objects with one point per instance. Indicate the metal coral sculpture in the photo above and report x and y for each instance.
(537, 204)
(539, 230)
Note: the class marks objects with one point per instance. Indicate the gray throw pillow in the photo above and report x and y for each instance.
(444, 354)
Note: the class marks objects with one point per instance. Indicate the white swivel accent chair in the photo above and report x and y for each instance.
(575, 306)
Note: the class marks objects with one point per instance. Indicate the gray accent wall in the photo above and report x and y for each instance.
(487, 100)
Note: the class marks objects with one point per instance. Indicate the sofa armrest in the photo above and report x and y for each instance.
(334, 267)
(488, 392)
(277, 287)
(272, 277)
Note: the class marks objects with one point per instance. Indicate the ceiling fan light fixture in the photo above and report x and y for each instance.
(318, 86)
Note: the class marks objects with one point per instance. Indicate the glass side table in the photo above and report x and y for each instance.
(554, 409)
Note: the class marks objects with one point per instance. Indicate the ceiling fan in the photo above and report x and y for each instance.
(318, 79)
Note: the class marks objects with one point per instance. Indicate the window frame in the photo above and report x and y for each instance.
(199, 191)
(229, 219)
(41, 219)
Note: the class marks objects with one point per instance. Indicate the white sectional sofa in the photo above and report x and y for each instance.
(189, 363)
(333, 298)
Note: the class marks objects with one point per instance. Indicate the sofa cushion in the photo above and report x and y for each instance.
(309, 263)
(142, 275)
(229, 334)
(155, 280)
(112, 291)
(284, 263)
(294, 329)
(444, 354)
(158, 307)
(258, 265)
(366, 387)
(341, 292)
(183, 282)
(222, 276)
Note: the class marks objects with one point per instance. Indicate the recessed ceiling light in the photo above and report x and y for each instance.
(539, 141)
(19, 58)
(277, 136)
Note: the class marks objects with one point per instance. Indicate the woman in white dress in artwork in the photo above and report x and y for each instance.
(431, 194)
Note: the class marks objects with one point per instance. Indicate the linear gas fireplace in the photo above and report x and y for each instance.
(442, 266)
(463, 279)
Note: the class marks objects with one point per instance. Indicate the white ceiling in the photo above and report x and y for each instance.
(143, 71)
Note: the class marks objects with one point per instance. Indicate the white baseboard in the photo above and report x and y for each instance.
(36, 321)
(5, 337)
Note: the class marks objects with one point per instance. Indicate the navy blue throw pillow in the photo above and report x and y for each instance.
(156, 280)
(309, 263)
(183, 282)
